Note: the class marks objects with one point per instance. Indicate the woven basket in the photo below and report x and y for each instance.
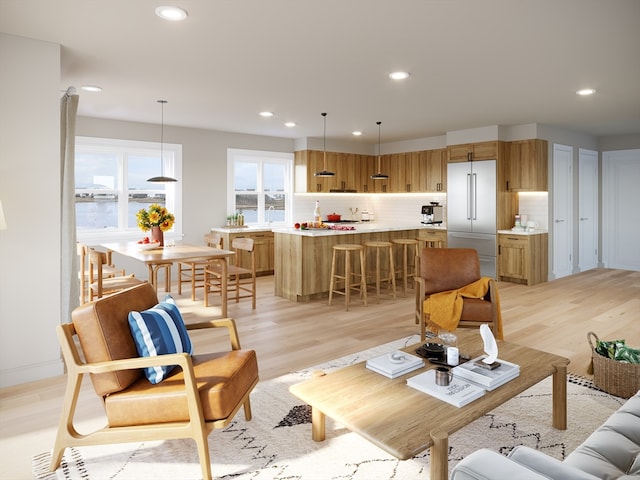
(621, 379)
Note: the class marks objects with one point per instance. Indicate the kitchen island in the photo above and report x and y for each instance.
(303, 257)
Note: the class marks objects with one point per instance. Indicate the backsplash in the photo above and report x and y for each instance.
(387, 208)
(536, 206)
(401, 208)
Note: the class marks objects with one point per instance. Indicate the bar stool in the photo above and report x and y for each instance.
(167, 276)
(404, 270)
(347, 248)
(391, 278)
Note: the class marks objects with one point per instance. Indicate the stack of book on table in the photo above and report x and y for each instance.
(469, 382)
(489, 379)
(458, 393)
(395, 364)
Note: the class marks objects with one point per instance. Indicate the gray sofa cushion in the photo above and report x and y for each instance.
(612, 451)
(548, 466)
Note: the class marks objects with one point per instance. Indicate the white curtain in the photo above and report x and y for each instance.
(69, 283)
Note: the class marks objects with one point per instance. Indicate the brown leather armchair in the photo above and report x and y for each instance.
(445, 269)
(204, 393)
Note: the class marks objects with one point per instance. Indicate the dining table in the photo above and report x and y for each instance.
(159, 256)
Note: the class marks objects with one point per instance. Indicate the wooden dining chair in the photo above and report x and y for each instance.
(241, 281)
(108, 270)
(100, 286)
(192, 271)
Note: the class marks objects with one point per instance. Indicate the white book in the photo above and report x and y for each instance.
(458, 393)
(489, 379)
(394, 364)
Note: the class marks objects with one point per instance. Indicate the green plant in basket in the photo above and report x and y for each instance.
(618, 350)
(155, 216)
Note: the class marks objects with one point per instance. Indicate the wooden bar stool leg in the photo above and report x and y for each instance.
(347, 278)
(363, 277)
(332, 278)
(392, 271)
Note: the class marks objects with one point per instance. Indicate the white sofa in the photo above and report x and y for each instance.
(611, 452)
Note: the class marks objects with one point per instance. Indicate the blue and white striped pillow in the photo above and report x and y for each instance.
(160, 331)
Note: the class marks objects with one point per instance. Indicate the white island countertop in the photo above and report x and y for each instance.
(522, 232)
(362, 227)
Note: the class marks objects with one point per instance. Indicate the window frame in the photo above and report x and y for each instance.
(172, 166)
(261, 157)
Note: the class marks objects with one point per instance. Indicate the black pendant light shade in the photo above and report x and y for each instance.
(379, 175)
(324, 172)
(162, 178)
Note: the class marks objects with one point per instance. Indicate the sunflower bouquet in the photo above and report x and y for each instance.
(155, 216)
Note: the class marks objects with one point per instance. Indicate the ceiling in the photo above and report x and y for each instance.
(472, 63)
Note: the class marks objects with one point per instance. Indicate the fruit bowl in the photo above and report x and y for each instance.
(149, 246)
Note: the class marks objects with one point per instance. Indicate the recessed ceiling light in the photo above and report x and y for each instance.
(171, 13)
(91, 88)
(290, 124)
(357, 133)
(399, 75)
(266, 114)
(586, 91)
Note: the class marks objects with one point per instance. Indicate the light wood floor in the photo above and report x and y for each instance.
(553, 316)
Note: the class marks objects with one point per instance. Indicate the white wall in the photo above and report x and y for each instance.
(30, 191)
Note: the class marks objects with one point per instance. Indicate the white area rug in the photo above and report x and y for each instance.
(277, 445)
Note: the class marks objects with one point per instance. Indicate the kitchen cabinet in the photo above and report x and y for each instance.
(475, 151)
(263, 245)
(523, 258)
(527, 162)
(435, 167)
(415, 172)
(436, 237)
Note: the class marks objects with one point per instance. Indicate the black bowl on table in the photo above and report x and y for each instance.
(431, 350)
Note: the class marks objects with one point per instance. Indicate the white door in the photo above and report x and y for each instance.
(561, 225)
(587, 209)
(620, 207)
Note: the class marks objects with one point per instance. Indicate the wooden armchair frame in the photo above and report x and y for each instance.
(196, 428)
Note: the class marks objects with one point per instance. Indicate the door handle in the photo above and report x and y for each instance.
(468, 196)
(558, 221)
(584, 218)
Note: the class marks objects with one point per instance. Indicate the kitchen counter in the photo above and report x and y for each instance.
(359, 228)
(522, 232)
(247, 229)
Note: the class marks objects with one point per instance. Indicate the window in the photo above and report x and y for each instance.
(111, 186)
(262, 185)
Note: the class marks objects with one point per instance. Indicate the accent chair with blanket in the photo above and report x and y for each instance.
(451, 292)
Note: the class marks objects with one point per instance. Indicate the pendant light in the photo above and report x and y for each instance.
(379, 175)
(324, 172)
(162, 178)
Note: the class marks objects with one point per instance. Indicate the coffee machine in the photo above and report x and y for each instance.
(432, 214)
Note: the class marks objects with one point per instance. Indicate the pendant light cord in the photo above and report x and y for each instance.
(379, 123)
(162, 102)
(324, 142)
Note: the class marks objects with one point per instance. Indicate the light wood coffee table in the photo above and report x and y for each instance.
(404, 421)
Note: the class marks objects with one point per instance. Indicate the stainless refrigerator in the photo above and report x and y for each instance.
(471, 210)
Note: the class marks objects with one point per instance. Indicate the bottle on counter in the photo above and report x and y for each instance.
(317, 216)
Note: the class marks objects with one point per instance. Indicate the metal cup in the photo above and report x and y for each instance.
(443, 376)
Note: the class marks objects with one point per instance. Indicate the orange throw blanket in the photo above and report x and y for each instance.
(445, 308)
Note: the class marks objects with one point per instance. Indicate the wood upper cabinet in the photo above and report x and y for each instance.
(474, 151)
(527, 165)
(435, 168)
(422, 171)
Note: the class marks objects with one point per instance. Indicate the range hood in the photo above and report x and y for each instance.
(343, 189)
